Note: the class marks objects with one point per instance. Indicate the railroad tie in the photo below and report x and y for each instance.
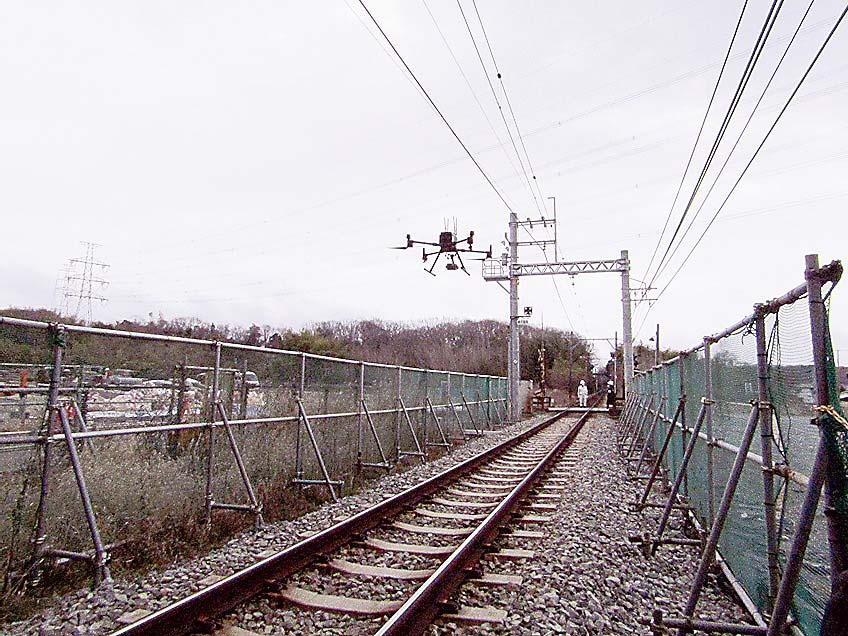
(360, 569)
(476, 615)
(335, 603)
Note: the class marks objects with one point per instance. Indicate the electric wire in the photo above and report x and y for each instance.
(759, 147)
(697, 139)
(736, 143)
(435, 107)
(553, 279)
(750, 161)
(734, 103)
(497, 102)
(509, 105)
(501, 144)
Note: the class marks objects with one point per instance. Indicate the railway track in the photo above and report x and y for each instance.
(403, 558)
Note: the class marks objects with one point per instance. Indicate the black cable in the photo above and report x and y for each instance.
(757, 151)
(436, 108)
(738, 139)
(509, 105)
(697, 139)
(498, 103)
(471, 88)
(734, 103)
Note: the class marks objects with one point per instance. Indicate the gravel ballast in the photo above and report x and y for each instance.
(585, 577)
(99, 611)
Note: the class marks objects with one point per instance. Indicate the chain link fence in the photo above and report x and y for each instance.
(135, 444)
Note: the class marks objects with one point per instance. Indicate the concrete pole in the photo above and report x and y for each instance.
(626, 319)
(514, 354)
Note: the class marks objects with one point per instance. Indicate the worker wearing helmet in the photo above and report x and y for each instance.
(582, 393)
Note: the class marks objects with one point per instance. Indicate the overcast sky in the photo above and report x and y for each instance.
(252, 162)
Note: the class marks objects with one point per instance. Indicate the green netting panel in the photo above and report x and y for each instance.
(734, 375)
(792, 392)
(697, 476)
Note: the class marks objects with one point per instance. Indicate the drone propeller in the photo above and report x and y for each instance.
(409, 243)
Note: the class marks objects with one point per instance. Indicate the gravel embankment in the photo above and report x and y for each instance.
(586, 577)
(98, 612)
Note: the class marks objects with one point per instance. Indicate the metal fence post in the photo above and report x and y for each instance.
(210, 439)
(766, 442)
(424, 411)
(708, 426)
(398, 414)
(101, 558)
(711, 545)
(819, 477)
(359, 414)
(57, 337)
(682, 378)
(301, 394)
(837, 521)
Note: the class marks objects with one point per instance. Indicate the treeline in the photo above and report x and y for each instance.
(470, 346)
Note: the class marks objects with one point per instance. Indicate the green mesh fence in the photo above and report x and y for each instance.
(794, 441)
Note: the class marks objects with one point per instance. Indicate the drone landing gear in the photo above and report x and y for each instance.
(433, 266)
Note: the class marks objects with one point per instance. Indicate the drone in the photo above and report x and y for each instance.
(451, 247)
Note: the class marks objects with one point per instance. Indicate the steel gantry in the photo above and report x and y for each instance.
(507, 268)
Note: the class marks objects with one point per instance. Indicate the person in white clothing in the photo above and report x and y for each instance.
(582, 393)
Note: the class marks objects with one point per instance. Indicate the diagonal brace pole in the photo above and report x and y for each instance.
(649, 436)
(678, 480)
(471, 415)
(255, 506)
(329, 482)
(658, 462)
(708, 554)
(384, 463)
(101, 558)
(439, 428)
(418, 451)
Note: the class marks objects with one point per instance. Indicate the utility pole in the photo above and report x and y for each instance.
(497, 270)
(657, 349)
(514, 350)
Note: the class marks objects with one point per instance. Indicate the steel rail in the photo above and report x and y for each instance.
(187, 615)
(427, 601)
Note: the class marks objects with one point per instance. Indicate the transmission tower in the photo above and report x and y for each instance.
(83, 284)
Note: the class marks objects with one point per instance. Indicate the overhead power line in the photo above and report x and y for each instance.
(501, 144)
(498, 104)
(697, 139)
(435, 107)
(760, 146)
(736, 143)
(509, 104)
(731, 110)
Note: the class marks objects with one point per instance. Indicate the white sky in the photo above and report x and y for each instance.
(251, 162)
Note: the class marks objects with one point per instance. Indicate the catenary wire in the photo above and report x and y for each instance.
(736, 143)
(498, 103)
(509, 105)
(759, 147)
(501, 144)
(435, 107)
(750, 161)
